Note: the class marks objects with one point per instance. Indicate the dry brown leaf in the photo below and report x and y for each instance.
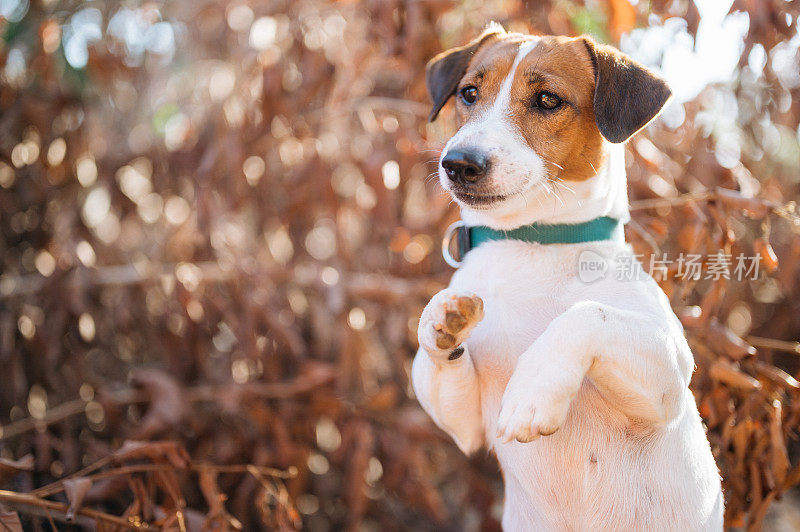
(157, 451)
(768, 257)
(166, 404)
(777, 376)
(753, 207)
(780, 458)
(9, 520)
(10, 468)
(217, 517)
(725, 341)
(729, 374)
(75, 490)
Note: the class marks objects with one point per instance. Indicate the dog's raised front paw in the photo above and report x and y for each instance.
(531, 409)
(447, 322)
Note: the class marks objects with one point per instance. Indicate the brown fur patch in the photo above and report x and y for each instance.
(603, 92)
(567, 138)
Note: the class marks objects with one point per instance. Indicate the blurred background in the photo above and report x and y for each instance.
(219, 223)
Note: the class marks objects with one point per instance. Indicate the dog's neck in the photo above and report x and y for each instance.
(604, 194)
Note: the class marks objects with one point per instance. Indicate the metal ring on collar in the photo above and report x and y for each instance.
(448, 238)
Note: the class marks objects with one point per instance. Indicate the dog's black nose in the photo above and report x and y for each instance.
(466, 166)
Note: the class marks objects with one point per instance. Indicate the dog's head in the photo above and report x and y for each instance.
(535, 113)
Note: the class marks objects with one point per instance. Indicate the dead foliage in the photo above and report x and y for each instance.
(213, 256)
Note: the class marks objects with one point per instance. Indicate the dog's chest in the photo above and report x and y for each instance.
(523, 287)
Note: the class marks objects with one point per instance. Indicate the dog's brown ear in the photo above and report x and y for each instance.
(444, 71)
(626, 94)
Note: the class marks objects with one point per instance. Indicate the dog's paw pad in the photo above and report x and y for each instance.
(459, 315)
(445, 340)
(448, 320)
(461, 312)
(454, 321)
(470, 307)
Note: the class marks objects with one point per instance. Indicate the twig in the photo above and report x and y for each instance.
(369, 286)
(64, 411)
(291, 472)
(277, 390)
(58, 485)
(756, 207)
(28, 501)
(637, 228)
(395, 104)
(777, 345)
(654, 203)
(50, 520)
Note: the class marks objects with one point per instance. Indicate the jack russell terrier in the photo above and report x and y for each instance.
(580, 388)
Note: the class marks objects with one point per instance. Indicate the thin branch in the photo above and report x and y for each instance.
(357, 284)
(65, 410)
(58, 485)
(291, 472)
(655, 203)
(277, 390)
(25, 502)
(777, 345)
(755, 207)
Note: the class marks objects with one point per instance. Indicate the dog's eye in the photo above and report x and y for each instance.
(547, 100)
(469, 94)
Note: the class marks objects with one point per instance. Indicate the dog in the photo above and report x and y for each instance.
(580, 388)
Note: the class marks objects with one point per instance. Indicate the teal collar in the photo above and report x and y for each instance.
(467, 238)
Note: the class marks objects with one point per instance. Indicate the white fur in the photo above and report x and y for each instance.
(604, 364)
